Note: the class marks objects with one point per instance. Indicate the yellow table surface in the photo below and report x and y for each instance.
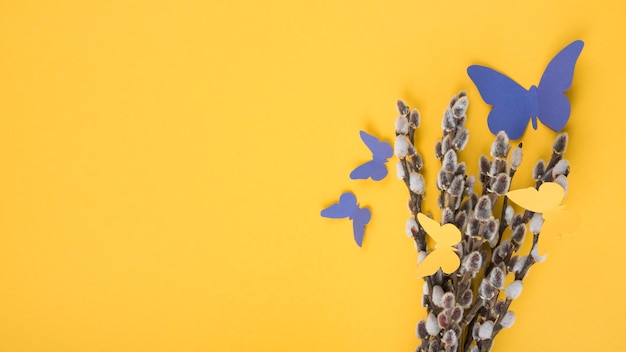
(164, 165)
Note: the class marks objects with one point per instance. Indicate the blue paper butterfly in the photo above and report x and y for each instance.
(376, 169)
(513, 105)
(348, 208)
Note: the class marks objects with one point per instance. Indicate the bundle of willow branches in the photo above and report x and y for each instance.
(467, 308)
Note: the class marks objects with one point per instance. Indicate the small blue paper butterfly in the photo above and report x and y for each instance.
(513, 105)
(348, 208)
(376, 169)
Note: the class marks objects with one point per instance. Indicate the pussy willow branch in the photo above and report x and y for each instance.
(464, 310)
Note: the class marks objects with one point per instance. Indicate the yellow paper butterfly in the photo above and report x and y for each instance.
(444, 256)
(547, 202)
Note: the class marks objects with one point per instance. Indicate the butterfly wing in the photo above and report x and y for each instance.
(559, 73)
(431, 226)
(445, 236)
(361, 218)
(345, 208)
(546, 201)
(450, 235)
(556, 224)
(553, 105)
(450, 261)
(548, 237)
(512, 104)
(380, 150)
(376, 168)
(547, 198)
(444, 258)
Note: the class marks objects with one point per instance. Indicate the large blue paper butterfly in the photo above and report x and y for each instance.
(376, 169)
(348, 208)
(513, 105)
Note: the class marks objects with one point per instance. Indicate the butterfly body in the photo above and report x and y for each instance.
(533, 105)
(376, 168)
(513, 105)
(444, 255)
(349, 208)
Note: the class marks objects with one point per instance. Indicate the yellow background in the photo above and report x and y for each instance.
(164, 165)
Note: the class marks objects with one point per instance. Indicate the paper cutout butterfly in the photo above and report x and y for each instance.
(513, 105)
(444, 256)
(376, 169)
(547, 202)
(348, 208)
